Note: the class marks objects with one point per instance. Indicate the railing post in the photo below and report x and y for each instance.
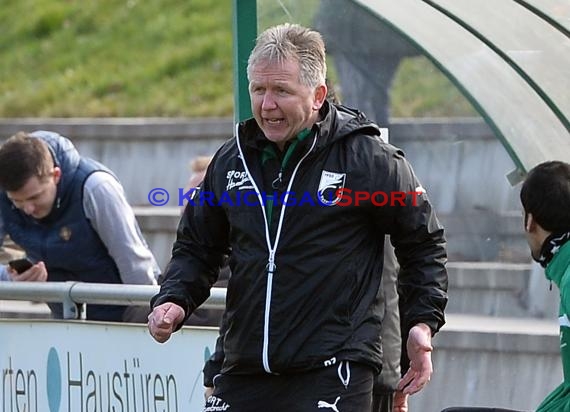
(71, 309)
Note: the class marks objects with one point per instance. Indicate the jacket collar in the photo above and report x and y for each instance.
(559, 263)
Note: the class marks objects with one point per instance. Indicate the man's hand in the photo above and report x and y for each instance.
(37, 273)
(400, 402)
(419, 352)
(163, 320)
(208, 391)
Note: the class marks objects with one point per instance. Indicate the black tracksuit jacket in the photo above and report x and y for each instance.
(303, 289)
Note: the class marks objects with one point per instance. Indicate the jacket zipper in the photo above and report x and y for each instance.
(272, 248)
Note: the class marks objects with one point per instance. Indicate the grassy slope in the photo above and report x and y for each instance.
(153, 58)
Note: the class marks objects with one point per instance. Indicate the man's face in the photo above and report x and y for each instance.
(37, 196)
(281, 105)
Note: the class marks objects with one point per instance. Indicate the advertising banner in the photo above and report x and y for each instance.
(72, 366)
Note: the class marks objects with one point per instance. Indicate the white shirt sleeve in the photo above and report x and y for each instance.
(113, 219)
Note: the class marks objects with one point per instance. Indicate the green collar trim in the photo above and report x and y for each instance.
(269, 151)
(303, 134)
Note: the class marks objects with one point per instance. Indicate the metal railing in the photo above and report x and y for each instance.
(74, 295)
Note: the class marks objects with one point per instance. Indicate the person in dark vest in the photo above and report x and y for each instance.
(71, 217)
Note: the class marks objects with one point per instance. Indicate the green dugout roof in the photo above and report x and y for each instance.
(510, 58)
(556, 11)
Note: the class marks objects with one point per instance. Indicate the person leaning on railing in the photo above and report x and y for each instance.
(71, 217)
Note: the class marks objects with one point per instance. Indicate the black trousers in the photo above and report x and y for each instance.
(383, 402)
(345, 386)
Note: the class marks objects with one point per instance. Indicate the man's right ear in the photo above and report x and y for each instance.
(56, 174)
(529, 223)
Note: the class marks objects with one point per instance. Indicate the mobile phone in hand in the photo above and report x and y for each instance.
(20, 265)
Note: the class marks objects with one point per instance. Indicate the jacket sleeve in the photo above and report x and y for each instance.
(419, 243)
(390, 374)
(199, 251)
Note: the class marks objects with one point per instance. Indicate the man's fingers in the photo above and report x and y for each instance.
(415, 384)
(400, 402)
(415, 378)
(27, 276)
(406, 379)
(168, 315)
(163, 319)
(36, 273)
(158, 332)
(172, 315)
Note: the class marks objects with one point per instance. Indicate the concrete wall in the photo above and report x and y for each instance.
(460, 162)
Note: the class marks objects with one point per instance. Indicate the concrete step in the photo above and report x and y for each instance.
(16, 309)
(489, 325)
(482, 235)
(500, 289)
